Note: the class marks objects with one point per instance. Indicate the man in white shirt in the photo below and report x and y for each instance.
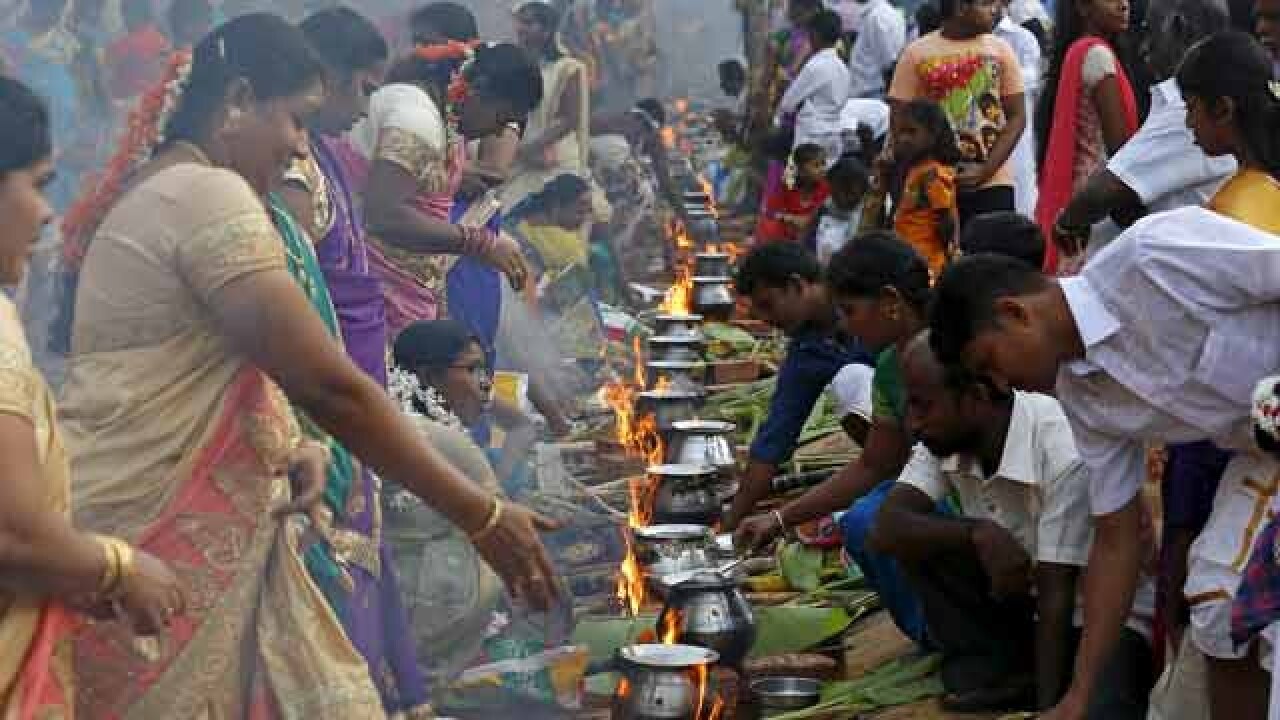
(1023, 161)
(998, 583)
(818, 94)
(881, 33)
(1161, 338)
(1161, 167)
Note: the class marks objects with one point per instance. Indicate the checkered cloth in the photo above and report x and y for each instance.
(1257, 602)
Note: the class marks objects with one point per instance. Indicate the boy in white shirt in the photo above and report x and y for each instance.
(818, 94)
(999, 583)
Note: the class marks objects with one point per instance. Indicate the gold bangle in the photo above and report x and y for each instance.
(127, 567)
(495, 515)
(110, 577)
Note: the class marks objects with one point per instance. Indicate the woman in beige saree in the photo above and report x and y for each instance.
(190, 340)
(558, 133)
(49, 572)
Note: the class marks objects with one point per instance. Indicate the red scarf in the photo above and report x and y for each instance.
(1056, 174)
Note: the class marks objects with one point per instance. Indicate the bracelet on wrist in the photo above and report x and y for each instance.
(491, 522)
(782, 525)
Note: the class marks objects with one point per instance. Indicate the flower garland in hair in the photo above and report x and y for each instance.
(458, 90)
(1266, 408)
(143, 133)
(414, 399)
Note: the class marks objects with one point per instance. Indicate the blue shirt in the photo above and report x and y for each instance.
(813, 359)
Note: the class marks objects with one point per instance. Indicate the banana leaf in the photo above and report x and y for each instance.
(801, 566)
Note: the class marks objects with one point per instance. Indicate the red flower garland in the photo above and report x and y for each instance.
(100, 190)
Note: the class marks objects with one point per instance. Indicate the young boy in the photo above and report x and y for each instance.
(1161, 338)
(840, 218)
(956, 66)
(783, 282)
(790, 211)
(998, 583)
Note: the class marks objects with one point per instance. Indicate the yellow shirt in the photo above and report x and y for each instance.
(1253, 198)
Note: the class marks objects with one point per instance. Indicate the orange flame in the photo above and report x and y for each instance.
(641, 379)
(679, 297)
(669, 631)
(702, 677)
(711, 196)
(717, 709)
(631, 591)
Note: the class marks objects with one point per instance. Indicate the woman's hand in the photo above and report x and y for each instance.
(506, 257)
(308, 475)
(150, 595)
(515, 551)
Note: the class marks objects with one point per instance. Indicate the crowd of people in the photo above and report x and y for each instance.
(1030, 250)
(1042, 293)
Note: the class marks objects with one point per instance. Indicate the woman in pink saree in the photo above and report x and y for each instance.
(192, 343)
(408, 154)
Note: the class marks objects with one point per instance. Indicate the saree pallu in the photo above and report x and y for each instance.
(352, 564)
(257, 641)
(572, 152)
(1057, 175)
(474, 291)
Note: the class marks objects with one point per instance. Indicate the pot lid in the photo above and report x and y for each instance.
(676, 657)
(679, 318)
(711, 280)
(669, 395)
(704, 427)
(675, 340)
(705, 580)
(672, 532)
(712, 256)
(680, 470)
(675, 364)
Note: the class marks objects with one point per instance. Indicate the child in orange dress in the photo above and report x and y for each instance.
(922, 181)
(789, 212)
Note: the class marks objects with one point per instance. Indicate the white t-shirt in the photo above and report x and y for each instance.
(817, 96)
(882, 34)
(1039, 492)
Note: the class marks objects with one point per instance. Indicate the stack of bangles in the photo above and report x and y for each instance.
(490, 523)
(119, 566)
(477, 241)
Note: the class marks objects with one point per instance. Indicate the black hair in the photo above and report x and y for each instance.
(548, 17)
(827, 29)
(928, 18)
(1248, 85)
(964, 299)
(434, 344)
(869, 263)
(654, 109)
(947, 8)
(809, 152)
(930, 115)
(503, 71)
(776, 265)
(1004, 233)
(449, 19)
(24, 127)
(346, 40)
(273, 56)
(732, 68)
(848, 171)
(806, 4)
(1183, 23)
(558, 192)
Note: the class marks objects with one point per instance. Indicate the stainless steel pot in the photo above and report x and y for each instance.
(688, 326)
(712, 296)
(703, 442)
(710, 611)
(660, 682)
(678, 375)
(675, 349)
(711, 264)
(684, 545)
(668, 407)
(703, 226)
(686, 494)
